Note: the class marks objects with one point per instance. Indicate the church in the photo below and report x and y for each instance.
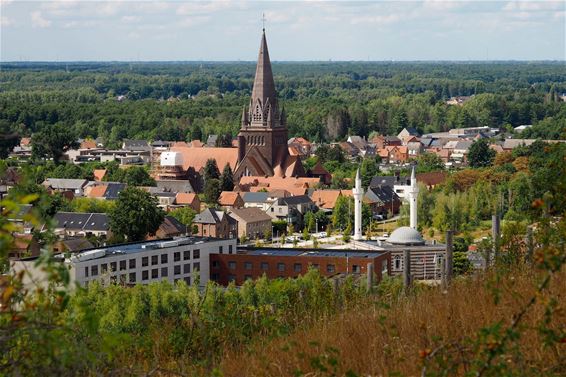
(262, 141)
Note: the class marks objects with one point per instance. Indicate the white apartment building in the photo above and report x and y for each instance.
(186, 258)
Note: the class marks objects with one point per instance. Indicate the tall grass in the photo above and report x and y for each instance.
(396, 335)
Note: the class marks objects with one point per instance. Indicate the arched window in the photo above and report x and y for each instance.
(397, 262)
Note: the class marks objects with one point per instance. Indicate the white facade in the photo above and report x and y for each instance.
(171, 159)
(358, 192)
(186, 258)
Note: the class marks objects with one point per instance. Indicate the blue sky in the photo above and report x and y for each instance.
(68, 30)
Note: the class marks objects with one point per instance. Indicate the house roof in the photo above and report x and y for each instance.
(380, 195)
(325, 198)
(255, 197)
(299, 140)
(185, 198)
(171, 226)
(228, 198)
(113, 189)
(88, 144)
(211, 141)
(81, 221)
(514, 143)
(65, 184)
(197, 157)
(319, 169)
(99, 174)
(294, 200)
(77, 244)
(135, 144)
(208, 216)
(175, 185)
(97, 191)
(250, 215)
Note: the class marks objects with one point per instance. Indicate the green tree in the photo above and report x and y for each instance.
(310, 221)
(480, 154)
(53, 141)
(8, 139)
(137, 176)
(212, 191)
(368, 170)
(211, 170)
(185, 215)
(428, 162)
(135, 215)
(341, 214)
(227, 179)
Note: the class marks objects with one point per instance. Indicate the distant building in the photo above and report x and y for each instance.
(214, 223)
(253, 223)
(230, 200)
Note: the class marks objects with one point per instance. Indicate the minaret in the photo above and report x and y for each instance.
(358, 192)
(413, 194)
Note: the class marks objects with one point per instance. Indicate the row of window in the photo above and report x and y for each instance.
(155, 273)
(281, 267)
(122, 264)
(131, 263)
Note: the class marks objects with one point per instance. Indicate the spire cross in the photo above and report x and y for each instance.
(263, 19)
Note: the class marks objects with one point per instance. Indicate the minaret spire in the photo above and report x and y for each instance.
(413, 196)
(358, 192)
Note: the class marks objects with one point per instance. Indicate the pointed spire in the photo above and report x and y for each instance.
(264, 86)
(413, 177)
(358, 179)
(244, 116)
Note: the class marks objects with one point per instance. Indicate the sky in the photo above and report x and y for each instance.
(230, 30)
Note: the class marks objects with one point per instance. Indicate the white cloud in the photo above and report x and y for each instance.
(189, 22)
(131, 19)
(208, 7)
(5, 21)
(37, 20)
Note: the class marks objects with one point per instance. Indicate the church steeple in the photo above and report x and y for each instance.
(263, 111)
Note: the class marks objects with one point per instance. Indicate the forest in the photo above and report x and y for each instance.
(325, 100)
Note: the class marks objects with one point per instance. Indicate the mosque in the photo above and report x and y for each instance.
(426, 256)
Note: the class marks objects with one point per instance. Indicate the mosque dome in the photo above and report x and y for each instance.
(406, 236)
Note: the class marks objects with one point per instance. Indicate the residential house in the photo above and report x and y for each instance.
(136, 145)
(230, 200)
(170, 227)
(253, 223)
(256, 200)
(320, 172)
(291, 209)
(407, 132)
(104, 191)
(81, 224)
(326, 199)
(415, 148)
(75, 186)
(349, 149)
(301, 145)
(461, 150)
(99, 174)
(382, 200)
(394, 154)
(72, 244)
(294, 185)
(214, 223)
(186, 199)
(175, 185)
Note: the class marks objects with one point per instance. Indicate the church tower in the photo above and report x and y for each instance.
(262, 141)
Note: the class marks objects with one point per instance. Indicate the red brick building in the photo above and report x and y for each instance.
(290, 263)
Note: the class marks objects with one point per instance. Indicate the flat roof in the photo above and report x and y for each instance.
(313, 253)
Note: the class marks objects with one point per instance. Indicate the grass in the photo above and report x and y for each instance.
(391, 336)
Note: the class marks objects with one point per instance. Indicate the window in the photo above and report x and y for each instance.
(264, 266)
(113, 267)
(177, 270)
(315, 265)
(231, 277)
(220, 249)
(145, 275)
(187, 280)
(186, 254)
(187, 268)
(145, 261)
(155, 273)
(214, 277)
(176, 256)
(248, 265)
(330, 268)
(86, 271)
(229, 249)
(281, 267)
(297, 267)
(397, 262)
(163, 258)
(132, 263)
(196, 253)
(232, 265)
(122, 265)
(196, 266)
(103, 268)
(215, 264)
(94, 270)
(356, 269)
(132, 277)
(164, 272)
(154, 260)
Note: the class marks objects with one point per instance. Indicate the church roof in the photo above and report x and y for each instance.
(197, 157)
(264, 86)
